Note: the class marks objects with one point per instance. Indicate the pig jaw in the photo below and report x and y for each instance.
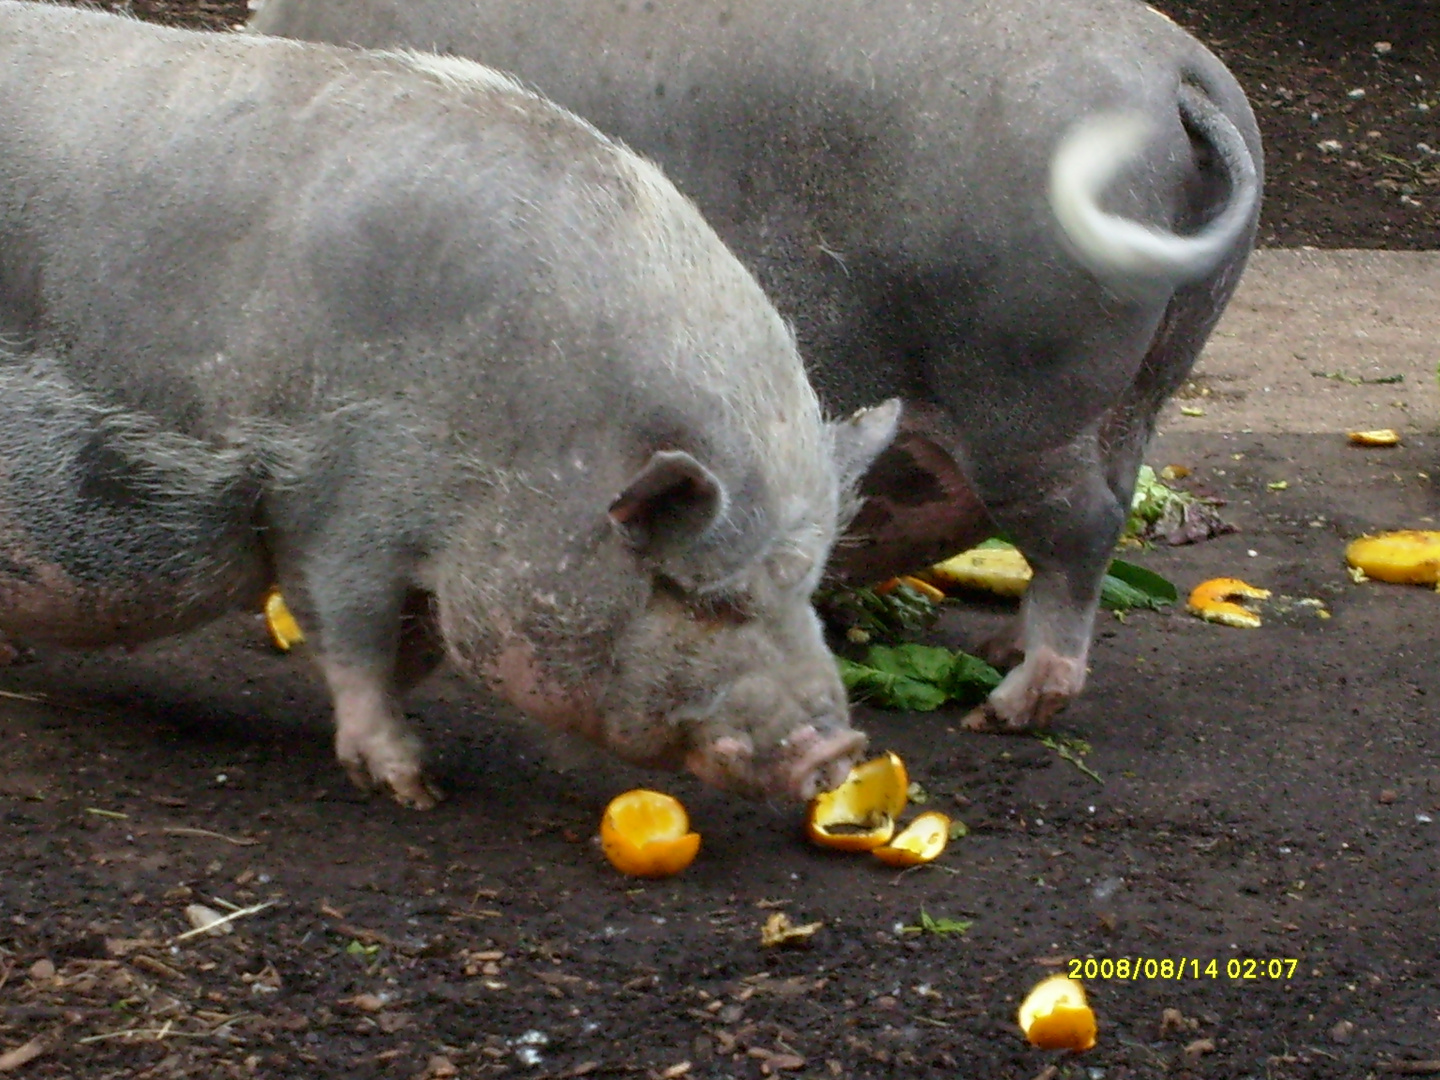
(807, 762)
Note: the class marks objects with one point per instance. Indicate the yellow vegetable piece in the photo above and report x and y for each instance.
(1408, 557)
(1001, 570)
(860, 814)
(647, 834)
(920, 842)
(1380, 437)
(285, 632)
(1214, 601)
(779, 930)
(1055, 1016)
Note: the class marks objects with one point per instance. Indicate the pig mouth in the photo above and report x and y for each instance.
(798, 769)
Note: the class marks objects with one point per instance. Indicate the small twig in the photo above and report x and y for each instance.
(5, 974)
(159, 1033)
(187, 830)
(39, 699)
(107, 813)
(222, 921)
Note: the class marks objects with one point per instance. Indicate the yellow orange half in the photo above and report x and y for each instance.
(285, 632)
(1056, 1016)
(920, 841)
(860, 814)
(647, 834)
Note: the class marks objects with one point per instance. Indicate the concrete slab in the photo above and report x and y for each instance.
(1315, 341)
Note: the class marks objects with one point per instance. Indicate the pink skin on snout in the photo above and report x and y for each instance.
(798, 767)
(805, 764)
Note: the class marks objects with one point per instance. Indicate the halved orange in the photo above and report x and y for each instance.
(920, 841)
(860, 814)
(647, 834)
(1055, 1016)
(1407, 557)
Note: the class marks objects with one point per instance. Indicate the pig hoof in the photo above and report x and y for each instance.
(407, 785)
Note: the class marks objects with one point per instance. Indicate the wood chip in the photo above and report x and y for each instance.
(21, 1055)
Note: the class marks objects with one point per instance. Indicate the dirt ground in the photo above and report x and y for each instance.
(1264, 799)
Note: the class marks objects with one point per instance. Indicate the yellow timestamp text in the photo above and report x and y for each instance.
(1174, 968)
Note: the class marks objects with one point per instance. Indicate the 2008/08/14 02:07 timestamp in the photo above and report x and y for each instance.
(1181, 967)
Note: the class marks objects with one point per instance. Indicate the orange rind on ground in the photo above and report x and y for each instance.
(285, 632)
(1407, 557)
(1001, 570)
(1055, 1016)
(921, 841)
(647, 834)
(924, 588)
(860, 814)
(1379, 437)
(1215, 601)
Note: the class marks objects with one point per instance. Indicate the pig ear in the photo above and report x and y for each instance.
(859, 440)
(670, 502)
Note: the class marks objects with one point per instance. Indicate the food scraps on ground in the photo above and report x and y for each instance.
(1000, 569)
(860, 814)
(924, 588)
(1407, 557)
(779, 930)
(647, 834)
(1055, 1015)
(920, 842)
(285, 632)
(1216, 601)
(1379, 437)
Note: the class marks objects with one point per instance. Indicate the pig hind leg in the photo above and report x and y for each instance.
(1070, 536)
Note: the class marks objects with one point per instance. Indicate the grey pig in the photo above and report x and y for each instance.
(1024, 217)
(411, 341)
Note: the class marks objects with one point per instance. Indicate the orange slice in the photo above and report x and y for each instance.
(647, 834)
(924, 588)
(920, 842)
(285, 632)
(860, 814)
(1055, 1016)
(1408, 557)
(1380, 437)
(1214, 601)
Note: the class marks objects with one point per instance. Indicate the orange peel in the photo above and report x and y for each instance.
(1407, 557)
(647, 834)
(1379, 437)
(285, 632)
(860, 814)
(1214, 601)
(919, 842)
(924, 588)
(1056, 1016)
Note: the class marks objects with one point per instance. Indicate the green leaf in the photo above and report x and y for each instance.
(1127, 586)
(942, 925)
(917, 678)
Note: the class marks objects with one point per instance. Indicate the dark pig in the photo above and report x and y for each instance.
(430, 352)
(1024, 217)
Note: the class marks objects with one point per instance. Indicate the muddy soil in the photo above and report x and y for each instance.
(1252, 839)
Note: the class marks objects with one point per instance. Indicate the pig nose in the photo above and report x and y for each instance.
(825, 763)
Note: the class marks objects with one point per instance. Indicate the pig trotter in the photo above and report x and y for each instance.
(372, 742)
(1031, 694)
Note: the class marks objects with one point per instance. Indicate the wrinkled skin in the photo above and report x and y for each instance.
(886, 172)
(463, 376)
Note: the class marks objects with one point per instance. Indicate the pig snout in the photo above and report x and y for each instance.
(797, 767)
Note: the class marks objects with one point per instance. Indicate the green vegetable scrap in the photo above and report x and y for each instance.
(917, 678)
(866, 616)
(1160, 512)
(942, 925)
(1129, 586)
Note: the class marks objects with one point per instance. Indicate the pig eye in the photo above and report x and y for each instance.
(726, 609)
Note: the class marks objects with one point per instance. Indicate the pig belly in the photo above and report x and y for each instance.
(112, 532)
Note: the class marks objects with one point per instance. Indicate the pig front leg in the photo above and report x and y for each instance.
(372, 739)
(375, 640)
